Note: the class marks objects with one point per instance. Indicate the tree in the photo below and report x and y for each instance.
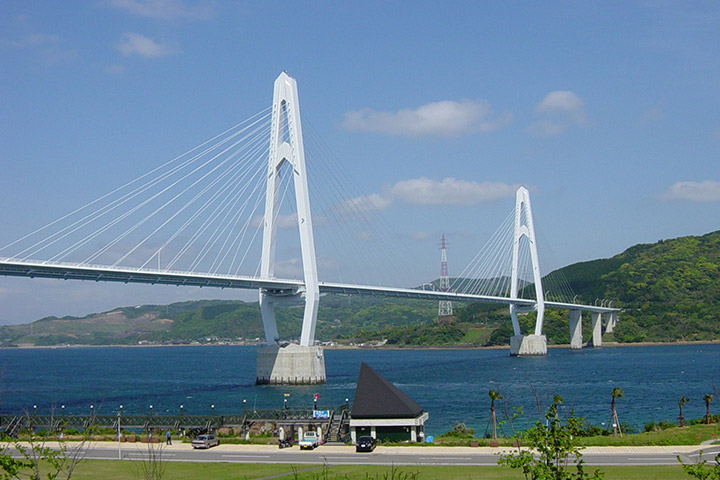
(708, 398)
(616, 393)
(27, 458)
(683, 401)
(701, 470)
(153, 466)
(553, 444)
(494, 395)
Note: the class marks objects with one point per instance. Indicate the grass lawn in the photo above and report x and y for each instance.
(122, 470)
(690, 435)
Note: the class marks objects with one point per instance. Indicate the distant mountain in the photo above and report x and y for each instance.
(668, 291)
(208, 321)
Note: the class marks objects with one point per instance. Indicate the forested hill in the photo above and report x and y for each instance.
(667, 291)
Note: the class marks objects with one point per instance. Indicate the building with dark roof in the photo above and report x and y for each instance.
(383, 411)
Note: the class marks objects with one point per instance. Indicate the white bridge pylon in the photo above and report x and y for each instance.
(287, 151)
(525, 228)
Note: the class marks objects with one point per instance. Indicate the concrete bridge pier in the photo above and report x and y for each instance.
(290, 365)
(528, 345)
(576, 339)
(596, 329)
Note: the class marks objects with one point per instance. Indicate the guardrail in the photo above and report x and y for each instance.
(12, 424)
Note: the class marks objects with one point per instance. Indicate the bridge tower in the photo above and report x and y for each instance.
(535, 344)
(445, 307)
(304, 363)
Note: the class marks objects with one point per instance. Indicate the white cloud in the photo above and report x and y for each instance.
(48, 49)
(560, 101)
(450, 191)
(166, 9)
(135, 44)
(366, 203)
(706, 191)
(292, 268)
(426, 191)
(34, 40)
(557, 112)
(446, 118)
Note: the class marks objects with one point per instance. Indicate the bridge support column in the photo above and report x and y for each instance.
(528, 345)
(596, 329)
(611, 320)
(290, 365)
(576, 340)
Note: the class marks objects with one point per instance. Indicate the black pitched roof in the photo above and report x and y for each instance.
(375, 397)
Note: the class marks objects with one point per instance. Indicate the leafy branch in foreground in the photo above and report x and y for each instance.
(552, 454)
(701, 470)
(35, 455)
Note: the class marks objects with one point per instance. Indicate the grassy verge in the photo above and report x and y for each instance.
(122, 470)
(690, 435)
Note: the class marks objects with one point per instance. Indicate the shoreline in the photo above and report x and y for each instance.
(368, 347)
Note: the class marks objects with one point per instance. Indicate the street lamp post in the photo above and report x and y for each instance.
(285, 404)
(118, 432)
(181, 410)
(244, 405)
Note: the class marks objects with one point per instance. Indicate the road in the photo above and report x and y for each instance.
(342, 455)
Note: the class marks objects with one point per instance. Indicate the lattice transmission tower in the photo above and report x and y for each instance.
(445, 307)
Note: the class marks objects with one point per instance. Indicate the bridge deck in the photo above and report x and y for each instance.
(99, 273)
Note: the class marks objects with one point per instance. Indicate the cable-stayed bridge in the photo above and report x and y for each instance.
(200, 220)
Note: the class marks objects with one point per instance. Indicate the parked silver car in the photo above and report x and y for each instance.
(205, 441)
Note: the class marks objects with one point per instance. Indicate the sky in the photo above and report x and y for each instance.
(608, 112)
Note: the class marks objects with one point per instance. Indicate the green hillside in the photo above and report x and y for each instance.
(668, 291)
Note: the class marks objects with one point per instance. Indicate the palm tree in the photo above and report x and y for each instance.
(708, 398)
(616, 393)
(494, 395)
(683, 401)
(557, 400)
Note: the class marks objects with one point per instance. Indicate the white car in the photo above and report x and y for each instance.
(205, 441)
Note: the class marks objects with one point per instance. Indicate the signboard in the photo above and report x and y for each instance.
(321, 413)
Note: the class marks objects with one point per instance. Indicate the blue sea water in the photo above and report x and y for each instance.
(452, 385)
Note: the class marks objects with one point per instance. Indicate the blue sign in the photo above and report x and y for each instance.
(321, 413)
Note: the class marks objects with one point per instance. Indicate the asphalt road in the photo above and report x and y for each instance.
(341, 455)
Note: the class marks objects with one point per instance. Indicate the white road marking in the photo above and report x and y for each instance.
(239, 455)
(644, 459)
(346, 458)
